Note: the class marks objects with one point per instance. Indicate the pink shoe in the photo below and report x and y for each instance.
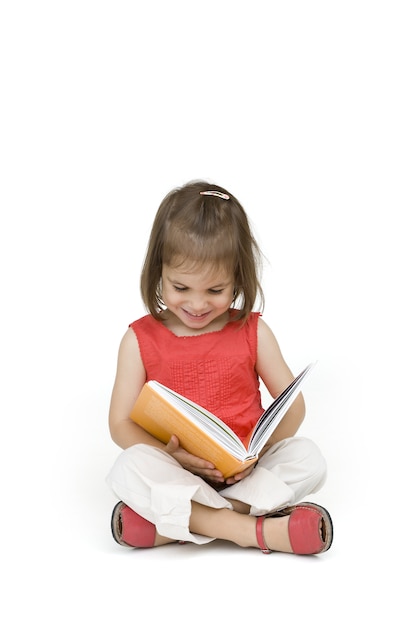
(130, 529)
(310, 528)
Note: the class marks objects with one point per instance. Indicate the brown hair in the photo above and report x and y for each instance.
(190, 227)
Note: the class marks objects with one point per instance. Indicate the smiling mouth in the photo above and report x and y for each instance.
(195, 316)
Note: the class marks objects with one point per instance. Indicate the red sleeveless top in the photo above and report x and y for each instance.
(216, 369)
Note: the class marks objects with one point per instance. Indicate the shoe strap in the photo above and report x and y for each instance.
(260, 535)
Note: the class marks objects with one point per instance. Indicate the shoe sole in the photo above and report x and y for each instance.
(116, 525)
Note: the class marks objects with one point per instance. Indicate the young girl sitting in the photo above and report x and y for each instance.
(202, 337)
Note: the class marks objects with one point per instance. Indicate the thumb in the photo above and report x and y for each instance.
(172, 445)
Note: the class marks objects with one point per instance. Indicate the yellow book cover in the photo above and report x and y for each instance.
(162, 412)
(162, 419)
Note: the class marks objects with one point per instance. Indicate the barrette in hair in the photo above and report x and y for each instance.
(213, 192)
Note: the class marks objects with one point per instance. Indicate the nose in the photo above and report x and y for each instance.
(197, 303)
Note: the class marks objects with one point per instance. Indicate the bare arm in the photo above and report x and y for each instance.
(130, 378)
(276, 375)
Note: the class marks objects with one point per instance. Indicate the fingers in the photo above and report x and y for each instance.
(194, 464)
(234, 479)
(173, 445)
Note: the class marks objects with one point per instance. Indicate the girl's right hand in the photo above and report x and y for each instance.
(192, 463)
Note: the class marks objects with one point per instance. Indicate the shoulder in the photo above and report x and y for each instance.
(129, 354)
(262, 327)
(143, 321)
(146, 326)
(137, 329)
(128, 343)
(251, 323)
(266, 338)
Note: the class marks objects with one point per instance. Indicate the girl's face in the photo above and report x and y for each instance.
(197, 296)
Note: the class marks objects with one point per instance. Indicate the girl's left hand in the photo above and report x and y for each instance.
(235, 479)
(192, 463)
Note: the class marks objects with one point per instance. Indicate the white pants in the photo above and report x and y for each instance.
(158, 488)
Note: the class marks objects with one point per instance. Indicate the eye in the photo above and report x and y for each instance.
(177, 288)
(216, 291)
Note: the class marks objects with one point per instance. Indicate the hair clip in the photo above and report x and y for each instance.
(213, 192)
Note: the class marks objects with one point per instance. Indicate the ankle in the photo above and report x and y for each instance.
(276, 534)
(162, 541)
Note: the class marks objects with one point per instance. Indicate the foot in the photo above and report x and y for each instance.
(275, 534)
(130, 529)
(134, 531)
(305, 528)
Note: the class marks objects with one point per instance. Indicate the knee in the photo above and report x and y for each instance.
(311, 455)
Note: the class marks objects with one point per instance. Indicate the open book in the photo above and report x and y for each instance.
(162, 412)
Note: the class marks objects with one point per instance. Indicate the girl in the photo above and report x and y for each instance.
(200, 283)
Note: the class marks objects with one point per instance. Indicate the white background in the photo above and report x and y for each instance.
(306, 112)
